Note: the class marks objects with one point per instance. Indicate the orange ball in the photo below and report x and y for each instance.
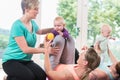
(50, 36)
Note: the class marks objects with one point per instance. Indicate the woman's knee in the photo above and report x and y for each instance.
(71, 39)
(59, 41)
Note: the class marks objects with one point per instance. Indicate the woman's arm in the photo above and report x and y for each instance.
(98, 74)
(52, 74)
(25, 48)
(32, 50)
(97, 47)
(44, 31)
(112, 57)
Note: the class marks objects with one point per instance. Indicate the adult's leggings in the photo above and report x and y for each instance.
(23, 70)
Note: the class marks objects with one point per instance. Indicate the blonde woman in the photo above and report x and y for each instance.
(88, 61)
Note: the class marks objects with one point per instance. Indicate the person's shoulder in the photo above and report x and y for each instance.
(100, 38)
(64, 29)
(33, 22)
(17, 21)
(17, 25)
(92, 76)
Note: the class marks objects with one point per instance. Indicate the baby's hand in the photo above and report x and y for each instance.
(112, 38)
(61, 33)
(84, 47)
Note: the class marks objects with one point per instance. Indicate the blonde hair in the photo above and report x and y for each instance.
(60, 19)
(93, 62)
(28, 4)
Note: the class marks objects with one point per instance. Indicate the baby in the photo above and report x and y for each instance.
(64, 41)
(103, 41)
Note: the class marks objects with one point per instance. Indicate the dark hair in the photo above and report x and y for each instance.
(118, 68)
(76, 55)
(92, 46)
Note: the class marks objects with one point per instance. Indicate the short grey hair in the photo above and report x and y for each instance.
(28, 4)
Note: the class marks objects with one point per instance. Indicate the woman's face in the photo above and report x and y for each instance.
(81, 59)
(32, 13)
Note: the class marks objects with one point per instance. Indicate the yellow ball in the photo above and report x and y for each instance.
(50, 36)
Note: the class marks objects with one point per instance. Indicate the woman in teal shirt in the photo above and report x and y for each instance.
(17, 62)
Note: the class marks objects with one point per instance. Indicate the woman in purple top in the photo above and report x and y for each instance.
(64, 41)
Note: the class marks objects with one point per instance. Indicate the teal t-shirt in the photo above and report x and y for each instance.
(13, 51)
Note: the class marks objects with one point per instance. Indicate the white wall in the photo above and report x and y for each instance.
(9, 11)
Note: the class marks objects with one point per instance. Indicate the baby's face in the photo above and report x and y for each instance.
(106, 32)
(58, 26)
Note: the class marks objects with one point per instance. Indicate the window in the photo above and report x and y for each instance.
(11, 10)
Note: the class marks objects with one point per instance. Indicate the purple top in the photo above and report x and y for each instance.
(65, 33)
